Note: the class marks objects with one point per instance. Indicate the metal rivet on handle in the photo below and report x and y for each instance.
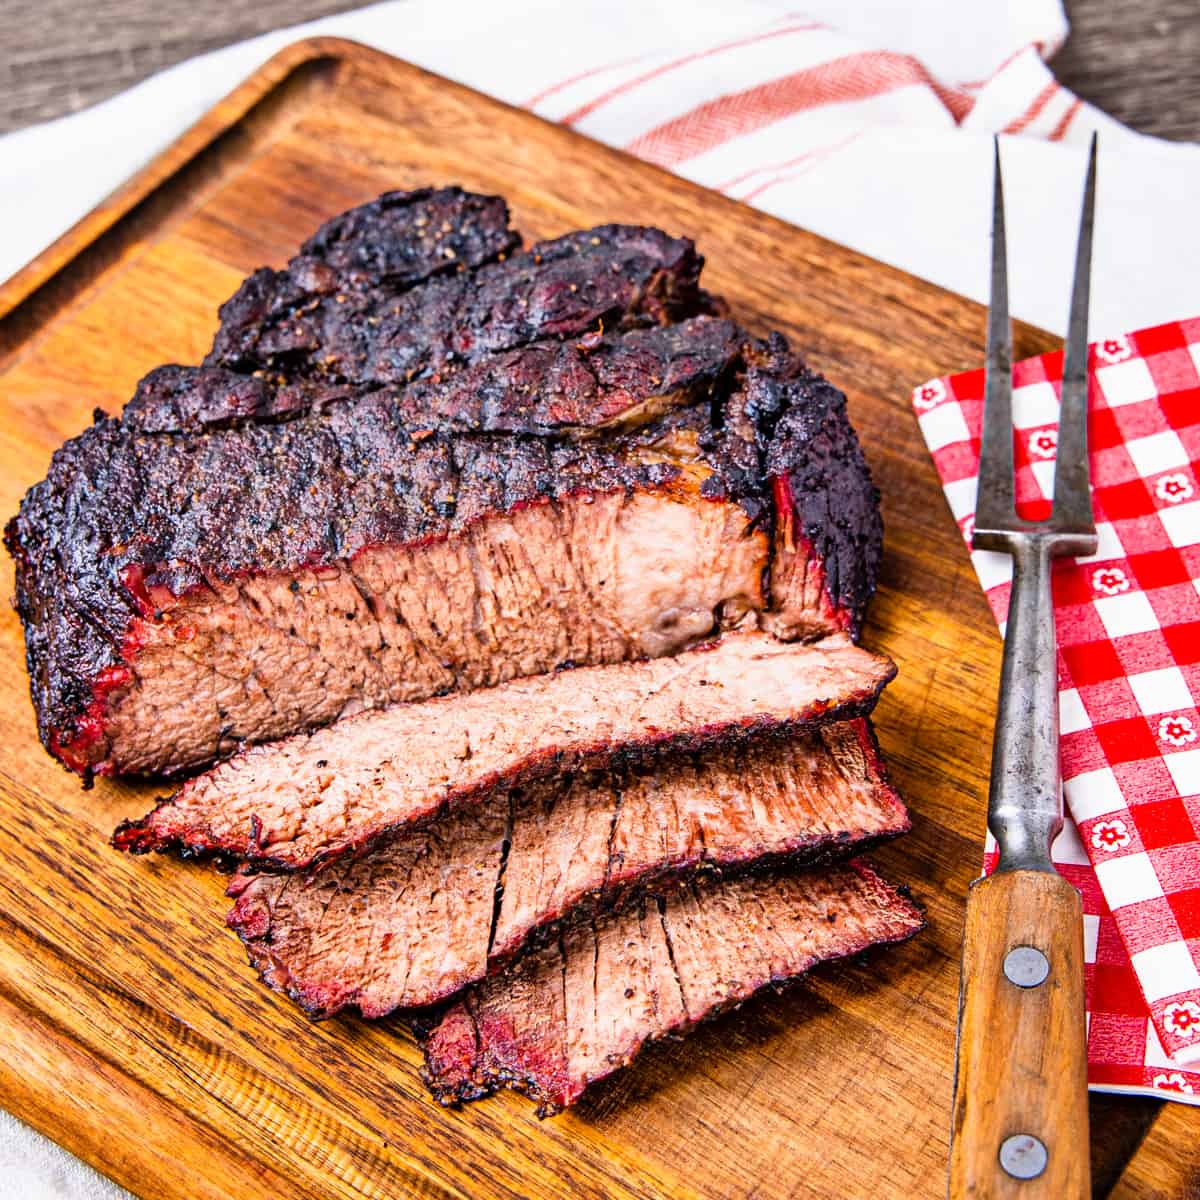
(1023, 1156)
(1026, 966)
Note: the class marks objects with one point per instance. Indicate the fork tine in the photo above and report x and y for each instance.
(994, 500)
(1072, 500)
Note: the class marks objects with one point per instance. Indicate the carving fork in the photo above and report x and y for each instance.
(1020, 1125)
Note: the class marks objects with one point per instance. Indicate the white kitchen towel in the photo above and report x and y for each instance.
(32, 1167)
(867, 122)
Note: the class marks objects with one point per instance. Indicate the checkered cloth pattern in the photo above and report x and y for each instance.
(1128, 622)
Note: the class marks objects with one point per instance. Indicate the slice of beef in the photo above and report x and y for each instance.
(302, 801)
(268, 579)
(389, 333)
(191, 577)
(440, 906)
(573, 1012)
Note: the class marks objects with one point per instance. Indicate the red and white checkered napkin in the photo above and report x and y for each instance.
(1128, 620)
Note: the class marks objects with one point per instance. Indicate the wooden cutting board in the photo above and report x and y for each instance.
(134, 1033)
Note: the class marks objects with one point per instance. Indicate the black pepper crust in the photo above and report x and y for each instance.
(402, 238)
(382, 248)
(547, 388)
(309, 322)
(212, 473)
(814, 445)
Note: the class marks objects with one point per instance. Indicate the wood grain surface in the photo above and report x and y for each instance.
(1136, 61)
(134, 1032)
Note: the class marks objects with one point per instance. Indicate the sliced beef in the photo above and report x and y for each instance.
(241, 556)
(438, 907)
(180, 599)
(577, 1010)
(307, 324)
(307, 799)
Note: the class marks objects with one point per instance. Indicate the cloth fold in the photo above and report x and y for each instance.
(1128, 626)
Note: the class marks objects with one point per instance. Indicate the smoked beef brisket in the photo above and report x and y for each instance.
(419, 460)
(438, 907)
(577, 1010)
(542, 578)
(309, 798)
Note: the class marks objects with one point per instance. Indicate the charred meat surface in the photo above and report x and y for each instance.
(402, 238)
(575, 1011)
(438, 907)
(577, 467)
(309, 798)
(385, 247)
(575, 388)
(548, 388)
(613, 275)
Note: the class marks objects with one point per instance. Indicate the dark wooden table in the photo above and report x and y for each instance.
(1135, 61)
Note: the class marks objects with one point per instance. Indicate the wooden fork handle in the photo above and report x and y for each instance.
(1022, 1052)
